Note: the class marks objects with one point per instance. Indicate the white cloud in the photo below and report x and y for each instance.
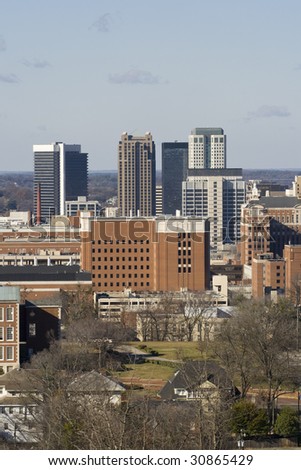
(102, 25)
(36, 63)
(268, 111)
(133, 77)
(9, 78)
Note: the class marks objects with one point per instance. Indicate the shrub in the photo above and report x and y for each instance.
(248, 418)
(287, 422)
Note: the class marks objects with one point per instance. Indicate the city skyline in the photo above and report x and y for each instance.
(192, 64)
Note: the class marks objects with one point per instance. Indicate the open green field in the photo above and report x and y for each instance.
(166, 358)
(172, 350)
(148, 371)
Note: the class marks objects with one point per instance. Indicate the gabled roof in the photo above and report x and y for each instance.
(94, 382)
(219, 312)
(195, 373)
(19, 380)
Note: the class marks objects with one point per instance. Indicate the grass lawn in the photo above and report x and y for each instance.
(148, 370)
(173, 350)
(156, 369)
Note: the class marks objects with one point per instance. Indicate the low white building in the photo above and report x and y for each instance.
(17, 407)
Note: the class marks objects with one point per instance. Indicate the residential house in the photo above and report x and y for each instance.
(205, 381)
(94, 384)
(17, 407)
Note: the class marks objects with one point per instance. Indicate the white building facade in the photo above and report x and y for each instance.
(207, 148)
(219, 195)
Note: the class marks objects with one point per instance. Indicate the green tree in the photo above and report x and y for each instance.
(247, 418)
(287, 422)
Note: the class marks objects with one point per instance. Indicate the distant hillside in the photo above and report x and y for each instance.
(16, 189)
(274, 176)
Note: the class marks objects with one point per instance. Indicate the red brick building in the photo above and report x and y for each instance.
(146, 254)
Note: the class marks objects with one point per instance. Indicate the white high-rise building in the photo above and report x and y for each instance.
(207, 148)
(219, 195)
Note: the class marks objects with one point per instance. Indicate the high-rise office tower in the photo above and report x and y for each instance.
(174, 172)
(218, 194)
(136, 175)
(60, 174)
(207, 148)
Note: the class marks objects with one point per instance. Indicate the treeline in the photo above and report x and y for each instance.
(256, 348)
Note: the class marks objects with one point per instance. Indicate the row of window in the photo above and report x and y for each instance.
(7, 334)
(123, 284)
(120, 250)
(123, 267)
(122, 242)
(184, 269)
(7, 313)
(22, 410)
(7, 353)
(123, 258)
(117, 276)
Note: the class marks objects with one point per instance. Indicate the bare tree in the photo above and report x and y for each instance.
(194, 309)
(257, 345)
(157, 319)
(78, 305)
(231, 347)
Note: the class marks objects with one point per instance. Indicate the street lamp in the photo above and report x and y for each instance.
(240, 440)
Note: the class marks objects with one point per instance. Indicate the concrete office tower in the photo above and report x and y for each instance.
(136, 175)
(61, 174)
(218, 194)
(174, 172)
(207, 148)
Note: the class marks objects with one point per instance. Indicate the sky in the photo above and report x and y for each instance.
(84, 71)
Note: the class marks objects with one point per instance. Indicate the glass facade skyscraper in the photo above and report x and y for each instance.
(174, 172)
(60, 174)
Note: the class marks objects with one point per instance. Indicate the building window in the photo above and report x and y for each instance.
(32, 329)
(9, 314)
(1, 354)
(9, 333)
(1, 314)
(9, 353)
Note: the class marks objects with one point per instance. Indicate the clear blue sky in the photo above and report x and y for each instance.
(84, 71)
